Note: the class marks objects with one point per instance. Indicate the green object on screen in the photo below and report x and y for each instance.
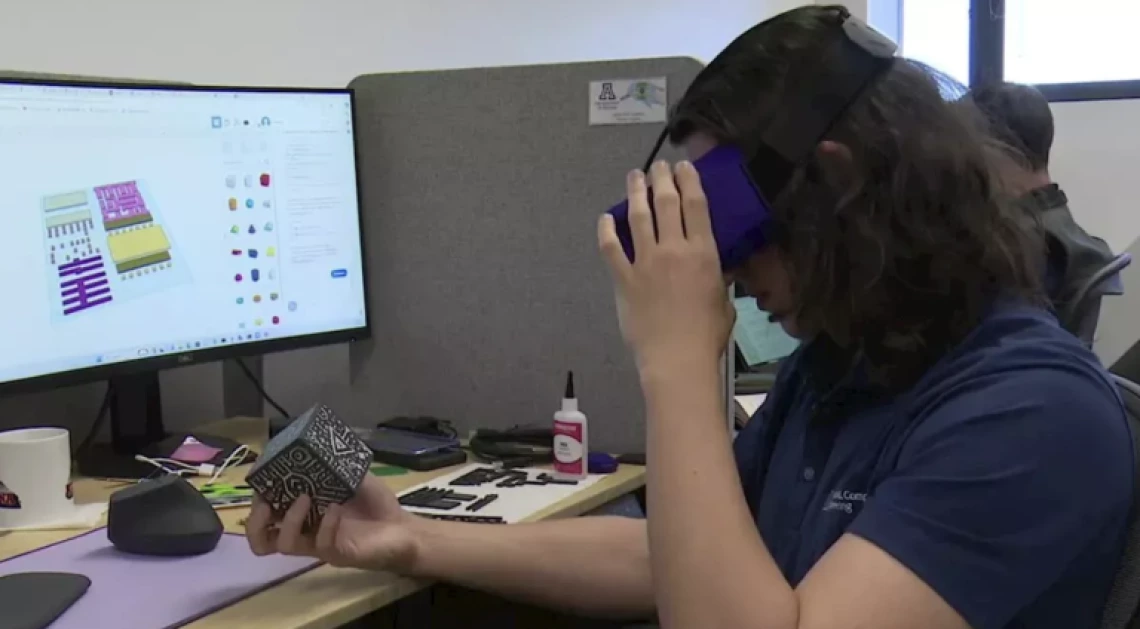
(387, 470)
(760, 341)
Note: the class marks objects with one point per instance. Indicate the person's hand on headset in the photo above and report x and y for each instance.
(370, 531)
(673, 304)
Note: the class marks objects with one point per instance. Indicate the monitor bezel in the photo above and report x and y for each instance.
(255, 348)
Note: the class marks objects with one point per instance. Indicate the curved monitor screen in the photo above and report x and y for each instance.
(144, 222)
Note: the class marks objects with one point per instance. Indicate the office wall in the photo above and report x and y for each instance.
(1096, 155)
(304, 42)
(307, 43)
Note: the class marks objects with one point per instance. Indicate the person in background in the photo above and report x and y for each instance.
(1019, 116)
(937, 454)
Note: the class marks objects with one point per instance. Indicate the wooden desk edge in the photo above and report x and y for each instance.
(627, 479)
(377, 590)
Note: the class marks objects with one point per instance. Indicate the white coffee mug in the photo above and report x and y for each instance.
(35, 477)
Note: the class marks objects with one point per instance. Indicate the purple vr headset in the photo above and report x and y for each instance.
(739, 182)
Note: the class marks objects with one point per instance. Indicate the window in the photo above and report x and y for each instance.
(937, 33)
(1089, 41)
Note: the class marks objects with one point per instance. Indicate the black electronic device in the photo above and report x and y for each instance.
(165, 517)
(424, 425)
(415, 451)
(33, 600)
(109, 246)
(425, 462)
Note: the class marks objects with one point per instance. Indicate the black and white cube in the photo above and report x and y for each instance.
(316, 455)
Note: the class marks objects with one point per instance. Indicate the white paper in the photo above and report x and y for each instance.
(751, 403)
(84, 516)
(514, 504)
(629, 101)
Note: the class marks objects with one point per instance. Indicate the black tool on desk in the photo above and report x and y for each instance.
(424, 425)
(481, 476)
(516, 447)
(482, 502)
(506, 478)
(435, 498)
(414, 451)
(474, 519)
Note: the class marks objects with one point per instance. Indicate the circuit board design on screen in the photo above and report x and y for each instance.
(106, 245)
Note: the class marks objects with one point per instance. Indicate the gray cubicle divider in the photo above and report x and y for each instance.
(481, 189)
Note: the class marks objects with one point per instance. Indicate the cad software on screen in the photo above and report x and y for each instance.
(144, 222)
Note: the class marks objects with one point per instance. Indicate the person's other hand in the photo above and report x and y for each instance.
(370, 531)
(672, 302)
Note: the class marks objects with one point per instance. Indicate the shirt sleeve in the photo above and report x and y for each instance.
(1001, 485)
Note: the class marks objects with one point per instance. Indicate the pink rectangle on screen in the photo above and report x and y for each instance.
(136, 592)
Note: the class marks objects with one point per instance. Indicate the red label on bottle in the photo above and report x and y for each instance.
(569, 457)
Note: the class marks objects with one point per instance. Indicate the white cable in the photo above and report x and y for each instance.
(177, 468)
(235, 458)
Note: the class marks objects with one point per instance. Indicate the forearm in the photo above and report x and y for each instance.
(594, 566)
(710, 566)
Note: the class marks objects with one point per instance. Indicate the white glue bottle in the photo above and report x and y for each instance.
(571, 442)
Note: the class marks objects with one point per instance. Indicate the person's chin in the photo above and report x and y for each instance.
(789, 326)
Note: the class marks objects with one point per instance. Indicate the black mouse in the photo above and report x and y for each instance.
(166, 517)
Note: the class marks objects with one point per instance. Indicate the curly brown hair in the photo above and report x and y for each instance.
(903, 260)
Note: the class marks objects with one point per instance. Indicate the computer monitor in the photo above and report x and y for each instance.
(156, 226)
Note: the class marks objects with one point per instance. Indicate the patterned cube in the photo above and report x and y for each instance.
(317, 455)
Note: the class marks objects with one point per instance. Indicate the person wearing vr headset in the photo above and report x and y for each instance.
(938, 454)
(1019, 116)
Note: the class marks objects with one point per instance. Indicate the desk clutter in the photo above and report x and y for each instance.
(490, 495)
(129, 591)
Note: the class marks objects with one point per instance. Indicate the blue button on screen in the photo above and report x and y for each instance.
(340, 272)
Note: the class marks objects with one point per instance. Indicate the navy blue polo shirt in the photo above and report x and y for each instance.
(1003, 478)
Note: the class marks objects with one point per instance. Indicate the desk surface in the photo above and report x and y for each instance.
(326, 597)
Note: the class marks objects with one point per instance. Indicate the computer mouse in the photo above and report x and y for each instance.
(165, 517)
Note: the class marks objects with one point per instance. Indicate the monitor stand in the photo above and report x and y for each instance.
(136, 422)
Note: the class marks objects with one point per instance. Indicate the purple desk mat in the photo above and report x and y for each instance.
(137, 592)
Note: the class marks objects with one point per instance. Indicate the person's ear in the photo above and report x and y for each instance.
(836, 164)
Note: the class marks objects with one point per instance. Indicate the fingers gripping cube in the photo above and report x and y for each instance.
(316, 455)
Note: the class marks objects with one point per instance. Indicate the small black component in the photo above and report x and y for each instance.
(548, 479)
(435, 498)
(482, 502)
(479, 476)
(475, 519)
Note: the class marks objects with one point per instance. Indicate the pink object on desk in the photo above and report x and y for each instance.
(137, 592)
